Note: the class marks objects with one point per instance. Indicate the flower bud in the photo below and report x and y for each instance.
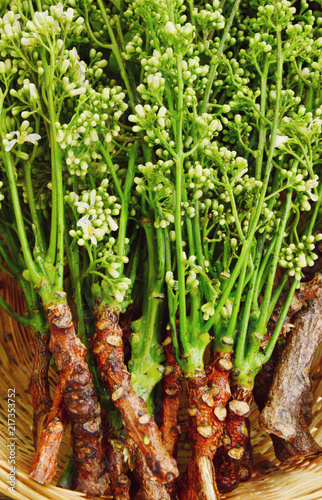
(170, 28)
(33, 92)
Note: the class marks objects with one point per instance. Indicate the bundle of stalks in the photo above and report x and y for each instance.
(298, 479)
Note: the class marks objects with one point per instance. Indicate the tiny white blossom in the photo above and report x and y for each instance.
(88, 231)
(26, 41)
(87, 206)
(170, 28)
(33, 92)
(311, 183)
(140, 110)
(280, 139)
(79, 91)
(21, 138)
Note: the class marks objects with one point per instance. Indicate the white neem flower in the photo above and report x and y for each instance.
(85, 205)
(281, 139)
(89, 232)
(21, 138)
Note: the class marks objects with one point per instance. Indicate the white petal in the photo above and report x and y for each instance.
(241, 173)
(313, 197)
(92, 198)
(84, 221)
(82, 204)
(93, 239)
(85, 231)
(112, 223)
(16, 133)
(280, 139)
(10, 144)
(32, 138)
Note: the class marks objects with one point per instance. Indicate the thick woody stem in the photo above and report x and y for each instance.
(199, 480)
(305, 292)
(233, 458)
(39, 385)
(281, 415)
(43, 467)
(171, 392)
(218, 372)
(140, 426)
(80, 400)
(119, 482)
(150, 488)
(303, 444)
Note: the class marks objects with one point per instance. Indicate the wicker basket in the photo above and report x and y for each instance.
(302, 480)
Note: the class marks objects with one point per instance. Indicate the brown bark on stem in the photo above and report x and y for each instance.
(281, 415)
(218, 372)
(170, 428)
(39, 385)
(233, 458)
(43, 467)
(198, 481)
(140, 426)
(120, 483)
(150, 488)
(304, 443)
(305, 292)
(80, 400)
(171, 392)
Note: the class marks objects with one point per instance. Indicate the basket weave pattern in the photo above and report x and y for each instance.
(298, 480)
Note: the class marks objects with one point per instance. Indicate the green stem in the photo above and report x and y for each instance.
(31, 266)
(156, 272)
(262, 129)
(125, 203)
(14, 268)
(213, 67)
(146, 358)
(277, 292)
(259, 204)
(231, 329)
(234, 208)
(316, 211)
(14, 315)
(37, 226)
(171, 299)
(51, 252)
(65, 480)
(264, 311)
(264, 357)
(258, 285)
(240, 262)
(177, 223)
(117, 54)
(58, 173)
(241, 340)
(197, 235)
(107, 158)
